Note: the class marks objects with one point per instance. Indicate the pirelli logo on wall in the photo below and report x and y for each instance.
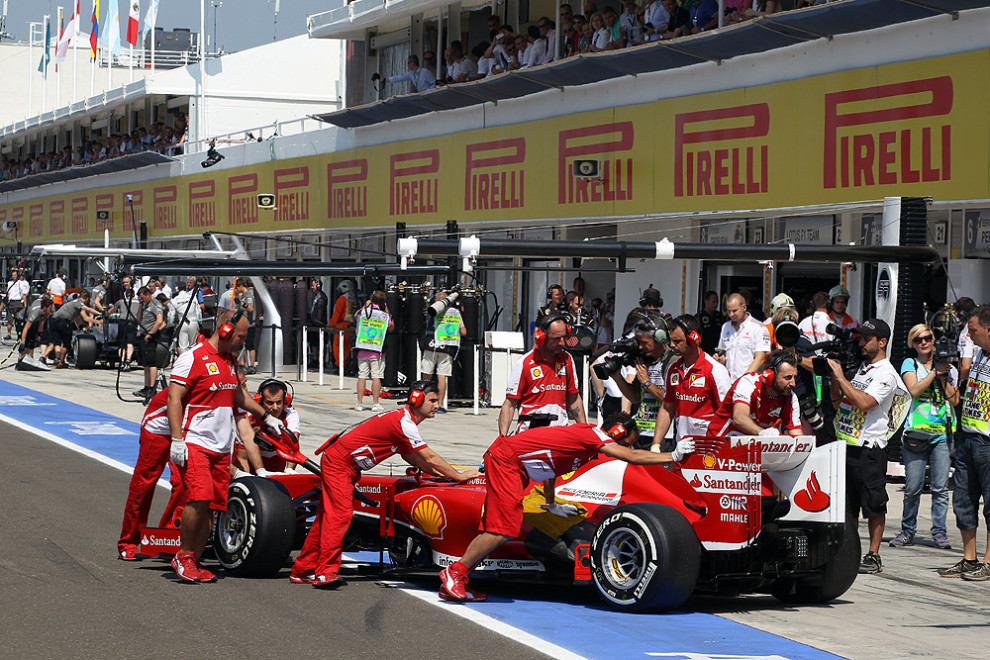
(884, 135)
(414, 183)
(609, 143)
(723, 151)
(494, 176)
(347, 189)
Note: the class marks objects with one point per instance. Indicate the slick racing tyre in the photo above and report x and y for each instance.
(253, 537)
(85, 350)
(836, 577)
(645, 556)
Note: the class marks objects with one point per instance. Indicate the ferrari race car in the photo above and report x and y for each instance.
(742, 514)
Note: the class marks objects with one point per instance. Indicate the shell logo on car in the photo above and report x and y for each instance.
(430, 516)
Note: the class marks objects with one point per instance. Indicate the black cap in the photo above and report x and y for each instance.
(875, 328)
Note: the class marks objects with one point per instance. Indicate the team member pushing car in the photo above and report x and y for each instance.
(274, 396)
(541, 454)
(65, 320)
(344, 457)
(202, 395)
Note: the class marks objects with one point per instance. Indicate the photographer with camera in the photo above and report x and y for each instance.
(934, 384)
(443, 343)
(863, 420)
(971, 480)
(644, 386)
(695, 386)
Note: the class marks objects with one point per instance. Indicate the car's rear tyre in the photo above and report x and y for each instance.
(85, 350)
(838, 575)
(645, 557)
(253, 537)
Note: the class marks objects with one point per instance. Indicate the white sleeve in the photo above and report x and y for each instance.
(292, 419)
(512, 386)
(723, 381)
(762, 338)
(182, 367)
(411, 432)
(744, 389)
(881, 387)
(721, 337)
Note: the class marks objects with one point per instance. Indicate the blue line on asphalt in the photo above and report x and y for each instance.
(587, 630)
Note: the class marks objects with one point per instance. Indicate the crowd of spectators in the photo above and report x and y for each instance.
(159, 137)
(610, 28)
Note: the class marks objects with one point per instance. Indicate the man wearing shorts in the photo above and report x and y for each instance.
(34, 324)
(151, 321)
(373, 321)
(64, 321)
(344, 457)
(441, 348)
(202, 395)
(541, 454)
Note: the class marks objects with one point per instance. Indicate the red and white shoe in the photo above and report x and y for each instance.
(302, 579)
(184, 565)
(129, 553)
(205, 575)
(327, 581)
(454, 586)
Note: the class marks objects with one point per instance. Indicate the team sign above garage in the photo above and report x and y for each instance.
(911, 128)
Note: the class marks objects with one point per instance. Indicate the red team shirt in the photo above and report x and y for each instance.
(208, 405)
(696, 393)
(378, 438)
(156, 415)
(780, 413)
(541, 387)
(544, 453)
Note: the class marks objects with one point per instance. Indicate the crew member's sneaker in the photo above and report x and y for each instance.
(205, 575)
(960, 567)
(327, 581)
(302, 579)
(144, 392)
(901, 540)
(61, 365)
(377, 408)
(453, 586)
(981, 574)
(184, 564)
(871, 563)
(359, 408)
(129, 553)
(942, 541)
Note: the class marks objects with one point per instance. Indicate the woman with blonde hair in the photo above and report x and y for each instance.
(935, 388)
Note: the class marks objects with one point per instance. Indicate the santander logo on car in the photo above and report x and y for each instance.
(812, 498)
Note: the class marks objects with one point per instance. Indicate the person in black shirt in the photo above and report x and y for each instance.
(711, 319)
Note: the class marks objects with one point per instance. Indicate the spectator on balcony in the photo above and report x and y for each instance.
(600, 37)
(482, 62)
(616, 33)
(704, 15)
(421, 78)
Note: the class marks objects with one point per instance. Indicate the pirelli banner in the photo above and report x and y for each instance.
(912, 128)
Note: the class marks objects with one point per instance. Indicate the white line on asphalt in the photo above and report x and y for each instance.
(491, 624)
(74, 447)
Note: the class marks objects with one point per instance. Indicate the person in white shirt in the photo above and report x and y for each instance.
(56, 289)
(549, 31)
(537, 49)
(745, 340)
(815, 327)
(18, 290)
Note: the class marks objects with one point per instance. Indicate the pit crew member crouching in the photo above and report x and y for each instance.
(543, 380)
(541, 454)
(761, 403)
(153, 453)
(274, 397)
(696, 385)
(344, 457)
(204, 390)
(36, 317)
(66, 319)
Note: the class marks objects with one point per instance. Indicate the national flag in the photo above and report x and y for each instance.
(111, 29)
(46, 56)
(61, 31)
(70, 32)
(94, 30)
(150, 17)
(133, 22)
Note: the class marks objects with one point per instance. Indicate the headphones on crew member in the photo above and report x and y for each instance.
(226, 330)
(651, 297)
(617, 432)
(270, 383)
(623, 425)
(418, 391)
(776, 360)
(657, 324)
(550, 290)
(692, 336)
(540, 335)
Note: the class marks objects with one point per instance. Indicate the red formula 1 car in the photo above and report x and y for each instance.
(744, 514)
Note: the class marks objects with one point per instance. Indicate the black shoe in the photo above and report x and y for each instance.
(250, 371)
(871, 563)
(144, 392)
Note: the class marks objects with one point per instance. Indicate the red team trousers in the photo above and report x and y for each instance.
(321, 552)
(152, 459)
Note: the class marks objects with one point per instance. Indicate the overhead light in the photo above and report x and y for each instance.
(212, 156)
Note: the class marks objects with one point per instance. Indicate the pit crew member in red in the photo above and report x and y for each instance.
(543, 380)
(203, 393)
(344, 457)
(541, 454)
(696, 385)
(761, 403)
(153, 453)
(274, 397)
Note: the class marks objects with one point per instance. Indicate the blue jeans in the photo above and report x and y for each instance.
(914, 482)
(971, 479)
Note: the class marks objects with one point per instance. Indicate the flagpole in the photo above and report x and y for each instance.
(201, 128)
(75, 55)
(30, 65)
(58, 78)
(154, 21)
(94, 54)
(44, 78)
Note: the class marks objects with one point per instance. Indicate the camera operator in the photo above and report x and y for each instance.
(152, 321)
(695, 386)
(964, 309)
(644, 386)
(761, 403)
(610, 397)
(788, 337)
(971, 479)
(862, 420)
(442, 344)
(934, 385)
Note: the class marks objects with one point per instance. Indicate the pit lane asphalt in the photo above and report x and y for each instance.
(907, 611)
